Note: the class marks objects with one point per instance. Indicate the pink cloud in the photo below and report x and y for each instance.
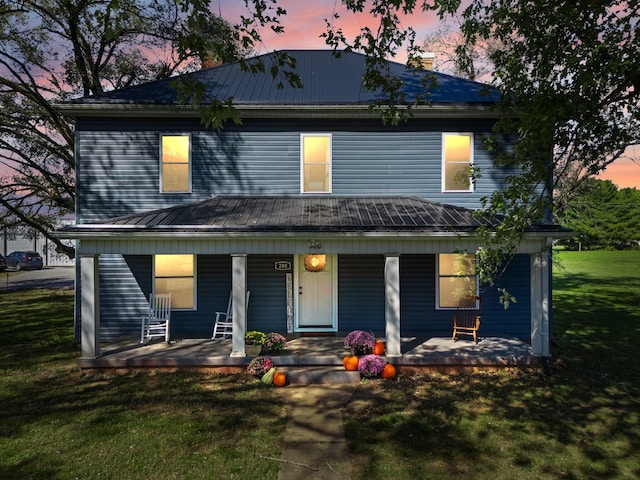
(625, 171)
(305, 22)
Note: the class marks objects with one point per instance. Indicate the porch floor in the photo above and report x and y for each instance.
(309, 351)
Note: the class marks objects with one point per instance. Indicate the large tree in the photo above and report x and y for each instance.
(568, 72)
(51, 50)
(603, 216)
(570, 80)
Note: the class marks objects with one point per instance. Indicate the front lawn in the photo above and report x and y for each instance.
(57, 422)
(583, 422)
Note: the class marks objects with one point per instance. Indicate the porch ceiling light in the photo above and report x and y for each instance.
(315, 262)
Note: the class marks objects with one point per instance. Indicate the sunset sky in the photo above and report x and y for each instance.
(305, 22)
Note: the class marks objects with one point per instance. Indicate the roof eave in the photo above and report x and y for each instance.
(124, 232)
(126, 110)
(155, 234)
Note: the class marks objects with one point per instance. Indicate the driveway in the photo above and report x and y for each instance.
(48, 277)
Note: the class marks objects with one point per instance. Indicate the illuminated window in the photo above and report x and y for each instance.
(457, 160)
(175, 171)
(315, 155)
(457, 281)
(175, 274)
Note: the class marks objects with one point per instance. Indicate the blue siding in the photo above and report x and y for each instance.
(125, 284)
(118, 165)
(118, 174)
(418, 300)
(213, 285)
(361, 293)
(516, 320)
(268, 300)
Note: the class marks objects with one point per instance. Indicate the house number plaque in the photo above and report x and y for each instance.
(283, 266)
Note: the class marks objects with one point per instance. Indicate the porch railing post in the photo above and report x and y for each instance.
(239, 303)
(392, 305)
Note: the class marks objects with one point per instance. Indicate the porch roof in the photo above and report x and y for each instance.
(299, 214)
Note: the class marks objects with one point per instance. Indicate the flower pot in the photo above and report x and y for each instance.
(253, 350)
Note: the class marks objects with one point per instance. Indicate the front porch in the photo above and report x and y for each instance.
(436, 353)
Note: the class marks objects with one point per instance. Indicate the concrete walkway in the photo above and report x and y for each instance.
(315, 447)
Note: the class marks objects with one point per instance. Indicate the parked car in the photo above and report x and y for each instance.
(24, 260)
(3, 263)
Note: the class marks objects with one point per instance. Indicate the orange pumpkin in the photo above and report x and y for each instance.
(350, 362)
(279, 379)
(378, 349)
(389, 371)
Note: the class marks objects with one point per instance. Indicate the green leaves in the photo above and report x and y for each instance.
(603, 216)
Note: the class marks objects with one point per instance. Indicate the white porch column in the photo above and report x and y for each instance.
(239, 303)
(392, 305)
(540, 293)
(90, 306)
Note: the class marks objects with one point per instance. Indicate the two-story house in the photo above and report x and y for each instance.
(331, 219)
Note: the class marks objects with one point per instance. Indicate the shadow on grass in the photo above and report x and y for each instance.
(37, 327)
(57, 421)
(63, 423)
(581, 422)
(597, 325)
(513, 424)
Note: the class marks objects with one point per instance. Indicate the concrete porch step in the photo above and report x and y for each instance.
(319, 375)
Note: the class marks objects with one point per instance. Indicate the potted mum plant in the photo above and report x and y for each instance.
(259, 366)
(371, 365)
(360, 341)
(274, 342)
(253, 342)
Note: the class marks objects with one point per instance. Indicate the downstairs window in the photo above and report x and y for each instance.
(175, 274)
(457, 280)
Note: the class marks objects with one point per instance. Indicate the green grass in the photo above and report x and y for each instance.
(57, 422)
(583, 422)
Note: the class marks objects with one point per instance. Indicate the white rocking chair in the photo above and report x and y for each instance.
(223, 326)
(156, 322)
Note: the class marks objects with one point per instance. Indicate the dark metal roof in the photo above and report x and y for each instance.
(298, 214)
(326, 80)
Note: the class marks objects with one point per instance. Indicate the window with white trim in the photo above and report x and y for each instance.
(457, 161)
(175, 163)
(315, 163)
(175, 274)
(457, 280)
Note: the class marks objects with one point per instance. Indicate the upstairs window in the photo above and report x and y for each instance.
(457, 160)
(175, 171)
(457, 280)
(175, 274)
(315, 159)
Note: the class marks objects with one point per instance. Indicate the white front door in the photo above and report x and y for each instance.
(317, 307)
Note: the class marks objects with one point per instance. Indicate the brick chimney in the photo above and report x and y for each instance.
(427, 60)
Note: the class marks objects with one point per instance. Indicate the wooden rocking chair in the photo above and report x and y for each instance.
(223, 325)
(156, 322)
(466, 321)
